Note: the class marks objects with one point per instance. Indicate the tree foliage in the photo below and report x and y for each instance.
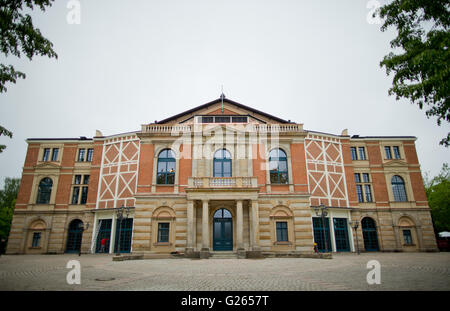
(8, 198)
(421, 68)
(19, 36)
(438, 195)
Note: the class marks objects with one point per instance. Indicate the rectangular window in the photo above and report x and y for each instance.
(282, 233)
(36, 239)
(239, 119)
(163, 232)
(207, 119)
(222, 120)
(407, 237)
(46, 154)
(84, 193)
(388, 152)
(396, 152)
(81, 154)
(363, 189)
(362, 153)
(365, 177)
(55, 152)
(354, 155)
(79, 194)
(368, 193)
(90, 154)
(359, 193)
(75, 195)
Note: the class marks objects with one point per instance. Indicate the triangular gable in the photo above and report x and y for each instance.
(215, 107)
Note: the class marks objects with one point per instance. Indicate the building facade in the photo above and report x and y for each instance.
(221, 177)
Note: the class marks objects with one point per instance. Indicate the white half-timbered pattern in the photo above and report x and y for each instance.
(119, 171)
(325, 169)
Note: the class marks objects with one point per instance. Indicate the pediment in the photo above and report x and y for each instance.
(226, 107)
(47, 165)
(395, 163)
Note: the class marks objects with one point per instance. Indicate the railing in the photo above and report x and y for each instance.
(156, 128)
(264, 128)
(222, 182)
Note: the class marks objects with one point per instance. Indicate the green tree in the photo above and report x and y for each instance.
(421, 66)
(438, 195)
(19, 36)
(8, 198)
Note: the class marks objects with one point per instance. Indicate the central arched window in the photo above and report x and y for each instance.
(44, 191)
(222, 163)
(166, 168)
(398, 188)
(278, 167)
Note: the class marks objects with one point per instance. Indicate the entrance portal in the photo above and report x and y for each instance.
(223, 230)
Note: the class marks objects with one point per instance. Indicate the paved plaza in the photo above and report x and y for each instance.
(399, 271)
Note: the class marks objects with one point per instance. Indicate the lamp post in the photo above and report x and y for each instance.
(82, 228)
(322, 211)
(120, 217)
(355, 225)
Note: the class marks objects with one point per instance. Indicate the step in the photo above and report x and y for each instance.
(223, 255)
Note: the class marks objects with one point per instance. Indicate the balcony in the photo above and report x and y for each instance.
(258, 128)
(222, 182)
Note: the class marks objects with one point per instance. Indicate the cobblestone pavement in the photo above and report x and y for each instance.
(399, 271)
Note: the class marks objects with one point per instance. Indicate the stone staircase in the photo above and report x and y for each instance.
(223, 255)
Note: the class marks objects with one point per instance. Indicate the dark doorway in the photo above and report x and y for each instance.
(370, 236)
(74, 236)
(223, 230)
(341, 234)
(126, 230)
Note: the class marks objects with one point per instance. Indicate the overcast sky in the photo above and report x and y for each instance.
(133, 62)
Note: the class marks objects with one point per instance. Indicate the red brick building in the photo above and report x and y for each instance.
(221, 177)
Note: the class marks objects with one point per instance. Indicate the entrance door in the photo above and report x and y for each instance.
(126, 230)
(74, 237)
(223, 230)
(104, 232)
(341, 235)
(369, 230)
(322, 234)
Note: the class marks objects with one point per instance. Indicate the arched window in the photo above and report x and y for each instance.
(222, 163)
(44, 191)
(398, 188)
(278, 167)
(166, 168)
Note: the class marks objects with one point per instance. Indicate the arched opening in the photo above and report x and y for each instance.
(398, 189)
(278, 167)
(44, 191)
(74, 236)
(222, 230)
(408, 234)
(166, 168)
(369, 230)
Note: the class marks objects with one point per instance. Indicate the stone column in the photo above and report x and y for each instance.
(239, 225)
(204, 253)
(254, 234)
(190, 227)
